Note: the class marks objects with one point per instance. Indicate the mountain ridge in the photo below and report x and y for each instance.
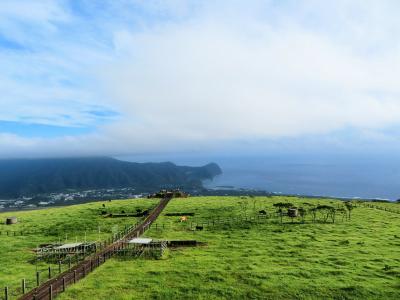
(27, 177)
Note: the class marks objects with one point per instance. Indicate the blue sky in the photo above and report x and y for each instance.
(135, 77)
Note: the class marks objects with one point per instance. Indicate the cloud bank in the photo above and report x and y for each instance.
(184, 76)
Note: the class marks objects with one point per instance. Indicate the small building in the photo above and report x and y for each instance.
(143, 247)
(11, 220)
(69, 247)
(56, 252)
(140, 241)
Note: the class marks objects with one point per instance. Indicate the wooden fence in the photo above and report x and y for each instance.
(52, 287)
(373, 205)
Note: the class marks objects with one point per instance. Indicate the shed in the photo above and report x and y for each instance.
(11, 220)
(140, 241)
(143, 247)
(68, 246)
(293, 212)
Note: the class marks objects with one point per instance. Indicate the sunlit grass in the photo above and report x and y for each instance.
(355, 259)
(53, 225)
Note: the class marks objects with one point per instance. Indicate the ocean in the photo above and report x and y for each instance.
(337, 178)
(371, 177)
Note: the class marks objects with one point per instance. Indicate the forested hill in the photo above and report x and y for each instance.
(24, 177)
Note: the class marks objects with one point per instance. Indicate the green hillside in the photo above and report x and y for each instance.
(246, 256)
(25, 177)
(65, 224)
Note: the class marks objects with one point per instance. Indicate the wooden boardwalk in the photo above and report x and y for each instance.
(54, 286)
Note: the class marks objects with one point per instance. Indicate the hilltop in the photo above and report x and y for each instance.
(248, 257)
(247, 250)
(27, 177)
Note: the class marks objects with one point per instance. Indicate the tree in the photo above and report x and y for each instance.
(343, 212)
(302, 213)
(349, 207)
(327, 211)
(280, 206)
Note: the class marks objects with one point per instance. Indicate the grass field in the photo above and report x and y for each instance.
(350, 259)
(65, 224)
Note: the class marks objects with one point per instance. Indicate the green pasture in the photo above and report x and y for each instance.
(251, 258)
(53, 225)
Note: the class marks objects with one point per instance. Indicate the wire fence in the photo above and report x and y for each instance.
(53, 280)
(392, 210)
(50, 281)
(199, 224)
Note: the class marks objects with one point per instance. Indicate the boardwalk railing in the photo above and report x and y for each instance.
(49, 289)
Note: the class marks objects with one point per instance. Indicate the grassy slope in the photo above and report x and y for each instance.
(357, 259)
(50, 225)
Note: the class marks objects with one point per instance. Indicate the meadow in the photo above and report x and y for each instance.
(55, 225)
(252, 258)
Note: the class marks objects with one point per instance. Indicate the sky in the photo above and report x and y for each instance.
(135, 77)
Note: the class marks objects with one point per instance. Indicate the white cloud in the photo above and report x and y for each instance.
(45, 75)
(211, 80)
(20, 18)
(225, 71)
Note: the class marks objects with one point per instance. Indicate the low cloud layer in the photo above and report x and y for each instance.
(179, 76)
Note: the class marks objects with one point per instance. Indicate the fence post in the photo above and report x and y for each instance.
(63, 284)
(69, 263)
(51, 292)
(59, 266)
(37, 278)
(74, 276)
(49, 272)
(23, 286)
(6, 293)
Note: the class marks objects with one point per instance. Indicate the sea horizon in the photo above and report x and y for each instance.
(336, 176)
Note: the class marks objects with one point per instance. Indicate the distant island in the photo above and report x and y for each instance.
(31, 177)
